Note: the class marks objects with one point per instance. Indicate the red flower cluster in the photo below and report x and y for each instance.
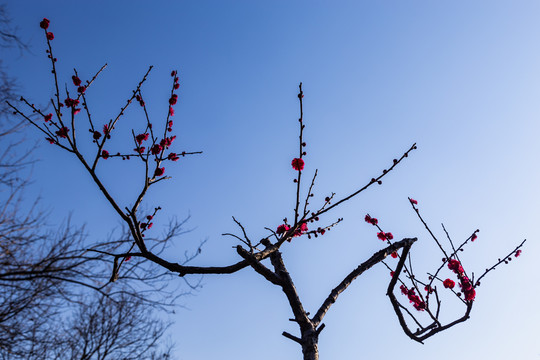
(96, 135)
(167, 141)
(517, 253)
(107, 131)
(44, 24)
(385, 236)
(281, 229)
(455, 266)
(105, 154)
(145, 226)
(170, 123)
(414, 202)
(71, 102)
(413, 298)
(404, 290)
(176, 84)
(171, 111)
(301, 229)
(370, 220)
(449, 284)
(141, 137)
(465, 283)
(156, 149)
(140, 150)
(159, 171)
(173, 100)
(76, 80)
(394, 254)
(50, 36)
(297, 164)
(173, 157)
(467, 288)
(474, 237)
(62, 132)
(47, 117)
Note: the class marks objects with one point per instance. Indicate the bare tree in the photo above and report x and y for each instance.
(102, 328)
(47, 272)
(99, 328)
(107, 329)
(149, 148)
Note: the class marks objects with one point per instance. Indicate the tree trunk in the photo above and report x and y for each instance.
(310, 347)
(311, 351)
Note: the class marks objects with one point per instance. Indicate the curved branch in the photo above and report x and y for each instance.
(373, 260)
(435, 328)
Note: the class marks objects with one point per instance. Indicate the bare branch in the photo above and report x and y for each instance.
(366, 265)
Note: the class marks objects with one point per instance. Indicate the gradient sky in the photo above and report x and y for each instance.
(460, 78)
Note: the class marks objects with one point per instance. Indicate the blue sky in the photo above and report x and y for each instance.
(460, 79)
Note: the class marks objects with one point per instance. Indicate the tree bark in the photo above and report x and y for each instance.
(310, 346)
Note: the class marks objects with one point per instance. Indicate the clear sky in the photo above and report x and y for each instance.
(460, 78)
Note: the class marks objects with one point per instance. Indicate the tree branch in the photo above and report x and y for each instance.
(373, 260)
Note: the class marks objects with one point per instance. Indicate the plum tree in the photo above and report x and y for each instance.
(149, 148)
